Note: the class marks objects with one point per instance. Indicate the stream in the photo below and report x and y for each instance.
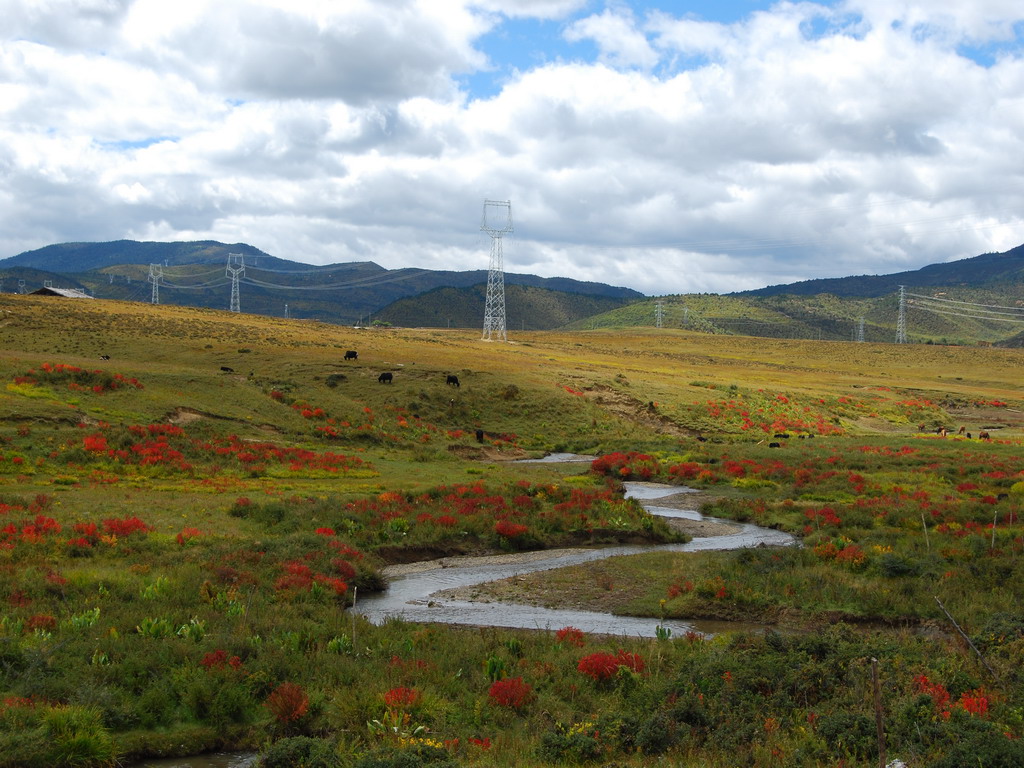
(413, 597)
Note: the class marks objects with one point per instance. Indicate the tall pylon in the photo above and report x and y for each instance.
(659, 314)
(901, 318)
(156, 274)
(235, 270)
(860, 330)
(496, 222)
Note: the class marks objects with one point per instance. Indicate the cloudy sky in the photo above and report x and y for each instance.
(664, 145)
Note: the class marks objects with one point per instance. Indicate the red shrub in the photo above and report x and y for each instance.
(287, 702)
(603, 666)
(509, 530)
(219, 660)
(512, 693)
(599, 666)
(570, 636)
(126, 526)
(41, 621)
(402, 698)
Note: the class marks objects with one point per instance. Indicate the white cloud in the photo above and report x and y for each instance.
(616, 35)
(799, 142)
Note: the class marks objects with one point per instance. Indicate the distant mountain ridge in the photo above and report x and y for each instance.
(343, 293)
(976, 271)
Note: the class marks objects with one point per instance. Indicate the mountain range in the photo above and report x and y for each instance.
(980, 295)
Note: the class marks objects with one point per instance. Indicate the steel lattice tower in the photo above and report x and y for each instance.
(497, 225)
(860, 330)
(659, 314)
(901, 318)
(156, 273)
(235, 270)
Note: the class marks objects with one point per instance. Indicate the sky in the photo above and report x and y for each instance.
(669, 147)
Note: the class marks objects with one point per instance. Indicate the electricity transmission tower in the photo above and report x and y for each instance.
(497, 224)
(235, 270)
(21, 286)
(901, 318)
(860, 330)
(156, 274)
(659, 314)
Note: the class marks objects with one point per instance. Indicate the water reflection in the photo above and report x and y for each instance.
(212, 760)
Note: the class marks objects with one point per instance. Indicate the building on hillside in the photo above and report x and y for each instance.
(67, 293)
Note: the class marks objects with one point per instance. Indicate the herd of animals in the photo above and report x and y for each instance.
(387, 377)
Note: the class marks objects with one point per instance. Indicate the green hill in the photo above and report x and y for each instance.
(526, 308)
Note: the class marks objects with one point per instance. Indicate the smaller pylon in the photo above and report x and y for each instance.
(901, 318)
(156, 274)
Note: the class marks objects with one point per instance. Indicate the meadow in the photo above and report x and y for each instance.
(190, 500)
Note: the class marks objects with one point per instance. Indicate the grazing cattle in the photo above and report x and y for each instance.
(984, 436)
(104, 357)
(781, 436)
(452, 381)
(774, 445)
(701, 439)
(479, 435)
(385, 378)
(962, 430)
(969, 435)
(941, 432)
(351, 355)
(226, 369)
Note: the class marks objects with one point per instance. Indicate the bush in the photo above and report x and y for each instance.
(76, 737)
(984, 750)
(414, 757)
(849, 734)
(578, 744)
(299, 752)
(657, 734)
(895, 566)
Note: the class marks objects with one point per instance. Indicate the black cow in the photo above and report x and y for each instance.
(452, 380)
(386, 377)
(351, 355)
(774, 445)
(226, 369)
(479, 435)
(104, 357)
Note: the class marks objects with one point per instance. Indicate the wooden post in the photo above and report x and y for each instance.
(927, 544)
(355, 593)
(879, 725)
(965, 637)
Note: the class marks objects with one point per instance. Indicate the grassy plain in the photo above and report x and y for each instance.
(188, 499)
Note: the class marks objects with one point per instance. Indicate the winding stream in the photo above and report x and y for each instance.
(414, 596)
